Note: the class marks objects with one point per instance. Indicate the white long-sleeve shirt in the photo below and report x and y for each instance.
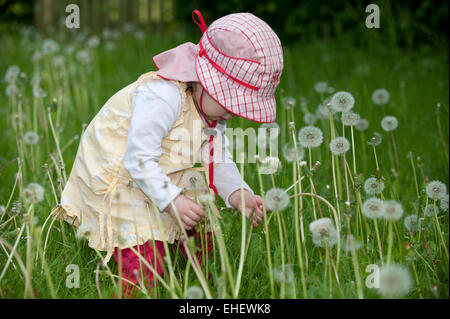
(156, 106)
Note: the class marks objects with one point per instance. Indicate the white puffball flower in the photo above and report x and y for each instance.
(362, 124)
(37, 56)
(323, 230)
(283, 274)
(194, 292)
(351, 243)
(392, 210)
(372, 208)
(342, 101)
(38, 92)
(289, 102)
(272, 130)
(444, 203)
(436, 190)
(350, 118)
(277, 199)
(84, 56)
(380, 96)
(389, 123)
(395, 281)
(192, 180)
(31, 138)
(309, 119)
(12, 73)
(12, 90)
(373, 187)
(270, 165)
(290, 154)
(93, 42)
(376, 139)
(34, 193)
(412, 222)
(429, 210)
(84, 230)
(339, 145)
(321, 87)
(206, 199)
(59, 60)
(310, 136)
(49, 46)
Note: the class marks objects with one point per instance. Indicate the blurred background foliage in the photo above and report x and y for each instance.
(406, 24)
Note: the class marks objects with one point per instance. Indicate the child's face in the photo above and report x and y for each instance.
(212, 109)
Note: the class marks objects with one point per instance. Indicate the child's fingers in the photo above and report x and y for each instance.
(193, 216)
(188, 221)
(197, 209)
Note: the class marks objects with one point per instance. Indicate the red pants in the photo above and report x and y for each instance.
(131, 264)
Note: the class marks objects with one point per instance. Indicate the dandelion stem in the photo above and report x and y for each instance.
(266, 234)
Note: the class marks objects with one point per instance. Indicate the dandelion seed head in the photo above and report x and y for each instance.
(283, 274)
(395, 281)
(412, 222)
(12, 73)
(206, 199)
(194, 292)
(84, 230)
(31, 138)
(310, 136)
(429, 210)
(372, 208)
(277, 199)
(389, 123)
(289, 102)
(342, 101)
(270, 165)
(321, 87)
(49, 46)
(376, 139)
(84, 56)
(272, 130)
(93, 42)
(362, 124)
(339, 145)
(59, 60)
(38, 92)
(380, 96)
(372, 186)
(192, 180)
(352, 244)
(12, 90)
(436, 190)
(323, 230)
(350, 118)
(290, 154)
(309, 119)
(34, 193)
(392, 210)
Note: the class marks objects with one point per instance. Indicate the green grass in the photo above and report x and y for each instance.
(417, 81)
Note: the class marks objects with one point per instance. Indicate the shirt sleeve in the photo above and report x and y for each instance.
(156, 106)
(227, 178)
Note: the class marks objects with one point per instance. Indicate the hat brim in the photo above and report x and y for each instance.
(241, 103)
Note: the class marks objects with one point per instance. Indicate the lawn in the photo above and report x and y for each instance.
(313, 246)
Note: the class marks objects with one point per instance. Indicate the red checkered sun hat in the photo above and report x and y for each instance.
(238, 61)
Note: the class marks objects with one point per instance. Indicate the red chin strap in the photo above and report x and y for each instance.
(211, 147)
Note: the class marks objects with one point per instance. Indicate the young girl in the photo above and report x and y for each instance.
(126, 184)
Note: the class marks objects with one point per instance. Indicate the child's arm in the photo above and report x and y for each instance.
(156, 106)
(228, 183)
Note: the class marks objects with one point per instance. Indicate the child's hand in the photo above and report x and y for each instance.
(189, 211)
(253, 205)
